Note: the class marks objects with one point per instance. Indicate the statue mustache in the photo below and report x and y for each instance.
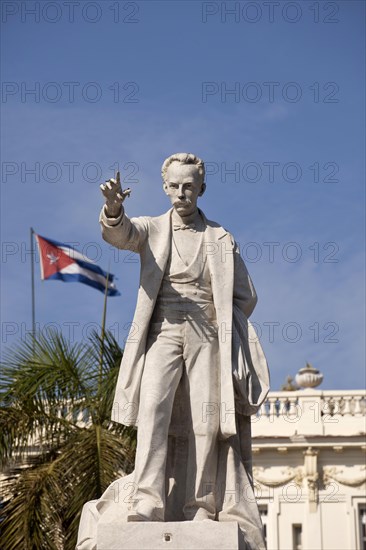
(185, 201)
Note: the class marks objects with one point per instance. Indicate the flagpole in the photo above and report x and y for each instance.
(32, 278)
(105, 306)
(103, 328)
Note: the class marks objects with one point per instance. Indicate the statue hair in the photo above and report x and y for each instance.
(183, 158)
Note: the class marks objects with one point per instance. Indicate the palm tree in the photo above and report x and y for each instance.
(57, 443)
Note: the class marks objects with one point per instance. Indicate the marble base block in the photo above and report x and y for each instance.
(185, 535)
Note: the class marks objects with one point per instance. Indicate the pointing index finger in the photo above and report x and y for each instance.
(118, 178)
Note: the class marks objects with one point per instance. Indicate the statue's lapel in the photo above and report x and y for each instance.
(160, 239)
(219, 251)
(155, 257)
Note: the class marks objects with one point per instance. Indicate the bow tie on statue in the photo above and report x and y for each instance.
(183, 226)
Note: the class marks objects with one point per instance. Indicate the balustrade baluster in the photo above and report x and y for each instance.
(337, 406)
(346, 409)
(357, 411)
(272, 409)
(292, 411)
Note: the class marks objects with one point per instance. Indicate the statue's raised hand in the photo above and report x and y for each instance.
(114, 195)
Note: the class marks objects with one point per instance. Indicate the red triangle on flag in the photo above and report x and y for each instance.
(53, 258)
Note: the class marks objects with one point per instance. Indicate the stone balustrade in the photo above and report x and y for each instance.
(311, 412)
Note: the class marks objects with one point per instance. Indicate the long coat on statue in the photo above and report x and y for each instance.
(244, 377)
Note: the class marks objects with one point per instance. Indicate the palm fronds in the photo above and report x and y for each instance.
(55, 402)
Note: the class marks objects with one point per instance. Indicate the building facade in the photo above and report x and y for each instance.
(309, 469)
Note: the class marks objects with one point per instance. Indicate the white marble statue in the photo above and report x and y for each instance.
(194, 371)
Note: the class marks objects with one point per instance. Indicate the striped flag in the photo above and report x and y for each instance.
(61, 261)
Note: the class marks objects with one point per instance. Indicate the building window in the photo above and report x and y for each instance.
(297, 537)
(263, 510)
(362, 524)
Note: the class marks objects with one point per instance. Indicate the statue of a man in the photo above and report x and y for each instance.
(194, 371)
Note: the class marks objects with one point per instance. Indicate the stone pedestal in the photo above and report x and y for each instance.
(186, 535)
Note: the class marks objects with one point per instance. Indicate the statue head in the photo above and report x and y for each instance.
(183, 181)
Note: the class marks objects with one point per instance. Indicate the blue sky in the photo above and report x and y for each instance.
(270, 96)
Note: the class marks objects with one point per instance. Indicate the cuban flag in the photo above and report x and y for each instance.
(61, 261)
